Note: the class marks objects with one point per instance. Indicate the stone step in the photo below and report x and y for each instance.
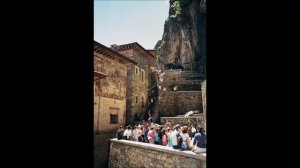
(179, 81)
(182, 87)
(183, 75)
(182, 84)
(194, 115)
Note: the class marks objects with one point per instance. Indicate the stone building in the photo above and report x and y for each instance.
(109, 93)
(97, 77)
(152, 51)
(139, 79)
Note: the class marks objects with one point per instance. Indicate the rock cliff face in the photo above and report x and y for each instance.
(183, 43)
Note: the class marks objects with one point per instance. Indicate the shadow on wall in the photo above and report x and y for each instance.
(101, 149)
(173, 66)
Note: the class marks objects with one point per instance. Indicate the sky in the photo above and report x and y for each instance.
(123, 21)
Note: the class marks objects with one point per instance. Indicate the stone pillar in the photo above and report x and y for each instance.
(203, 90)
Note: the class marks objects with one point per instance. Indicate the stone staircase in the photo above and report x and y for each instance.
(195, 119)
(180, 92)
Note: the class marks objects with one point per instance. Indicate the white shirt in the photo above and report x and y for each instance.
(184, 137)
(127, 132)
(174, 138)
(193, 129)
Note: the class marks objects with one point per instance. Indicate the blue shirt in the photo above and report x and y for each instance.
(200, 140)
(157, 139)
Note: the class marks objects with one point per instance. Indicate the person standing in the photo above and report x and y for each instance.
(119, 135)
(131, 133)
(185, 139)
(164, 137)
(146, 133)
(169, 137)
(157, 136)
(150, 135)
(149, 116)
(176, 137)
(127, 133)
(135, 133)
(193, 131)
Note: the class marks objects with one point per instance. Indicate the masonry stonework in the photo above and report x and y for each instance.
(173, 103)
(188, 121)
(139, 80)
(111, 99)
(114, 86)
(109, 92)
(125, 154)
(110, 73)
(180, 92)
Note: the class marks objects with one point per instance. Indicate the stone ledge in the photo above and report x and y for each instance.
(161, 148)
(193, 115)
(182, 91)
(181, 117)
(187, 81)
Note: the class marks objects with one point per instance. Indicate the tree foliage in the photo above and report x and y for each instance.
(177, 8)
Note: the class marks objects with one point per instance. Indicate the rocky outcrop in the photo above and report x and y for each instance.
(183, 41)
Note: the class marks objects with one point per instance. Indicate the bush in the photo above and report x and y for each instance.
(177, 8)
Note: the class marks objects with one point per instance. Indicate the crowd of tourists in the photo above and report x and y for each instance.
(174, 136)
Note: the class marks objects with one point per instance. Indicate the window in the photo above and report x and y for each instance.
(136, 99)
(143, 75)
(113, 119)
(137, 70)
(143, 105)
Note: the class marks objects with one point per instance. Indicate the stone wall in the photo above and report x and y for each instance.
(125, 154)
(173, 103)
(137, 89)
(114, 85)
(137, 92)
(187, 96)
(182, 75)
(195, 120)
(110, 106)
(109, 93)
(183, 85)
